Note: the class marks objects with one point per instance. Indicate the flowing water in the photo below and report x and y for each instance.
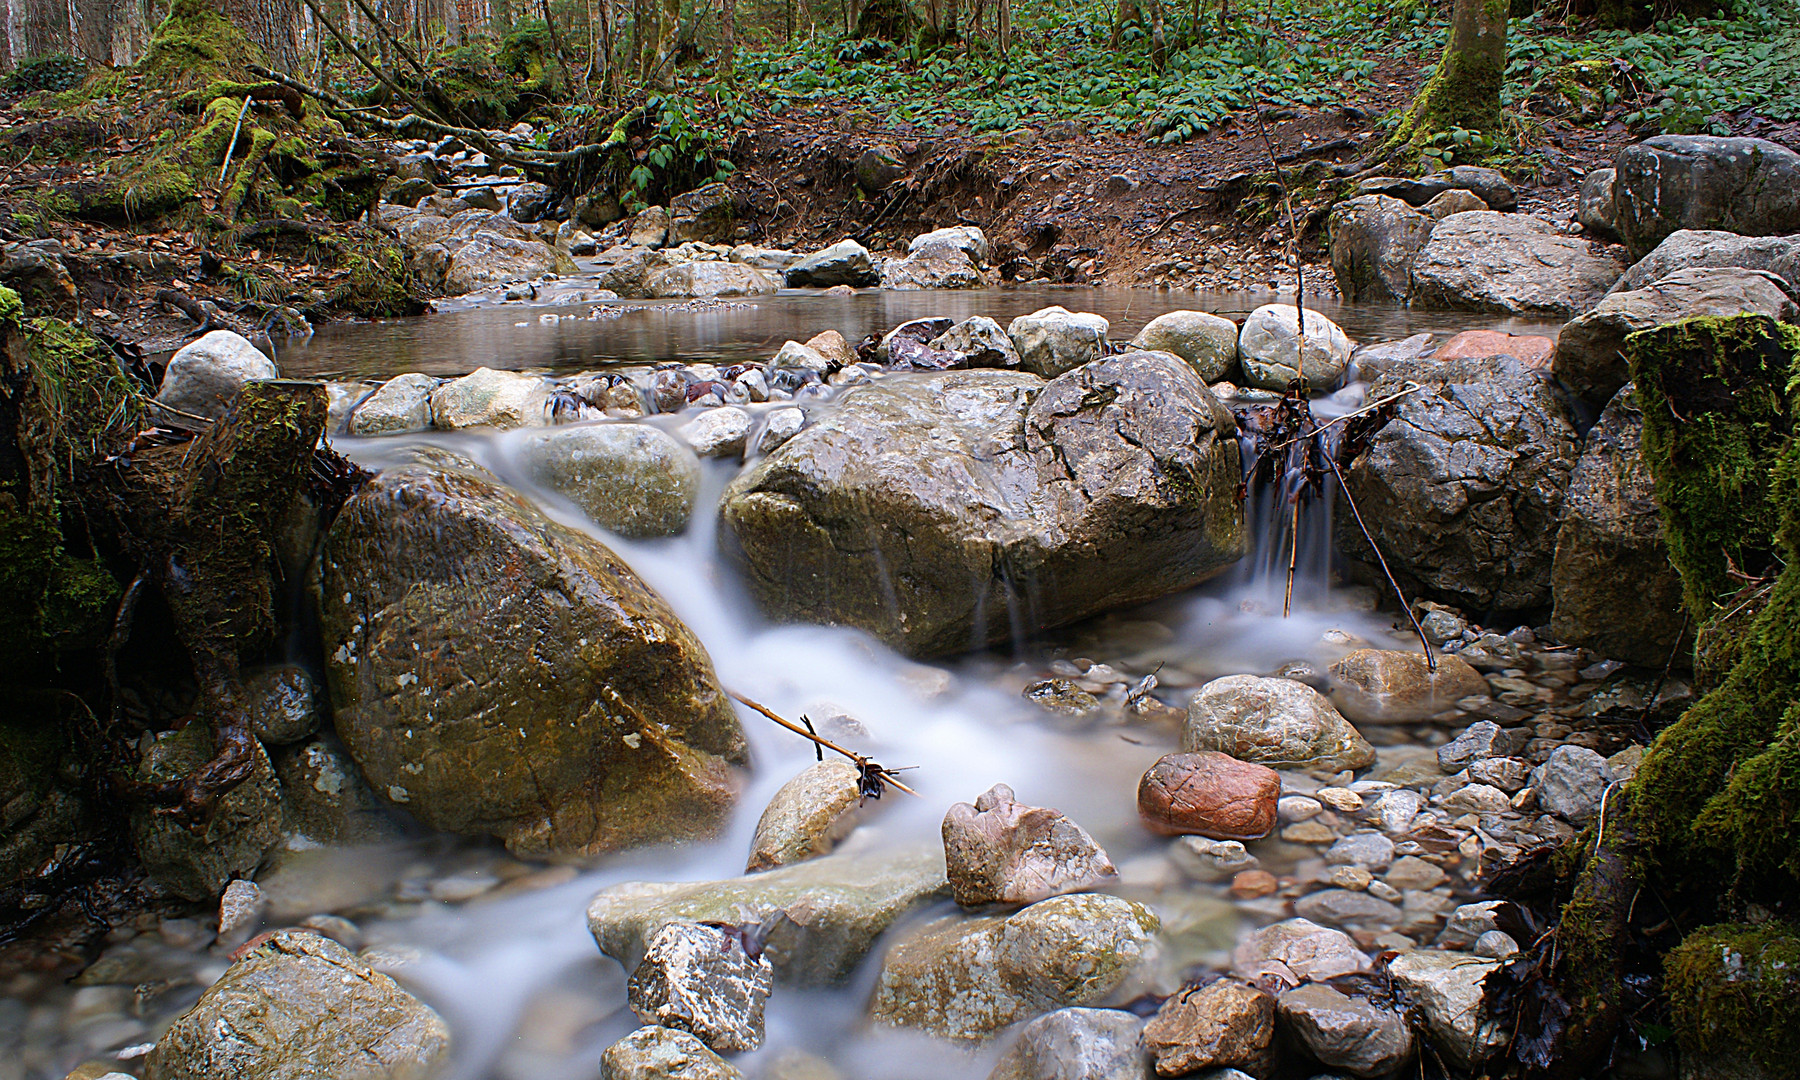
(514, 971)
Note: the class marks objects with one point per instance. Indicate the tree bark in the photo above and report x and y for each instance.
(728, 39)
(274, 25)
(1465, 90)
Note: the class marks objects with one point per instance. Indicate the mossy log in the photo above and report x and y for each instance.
(1712, 817)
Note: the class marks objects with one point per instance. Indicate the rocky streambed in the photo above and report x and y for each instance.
(511, 823)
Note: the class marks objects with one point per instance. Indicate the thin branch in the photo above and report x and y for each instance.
(863, 764)
(1424, 642)
(1409, 387)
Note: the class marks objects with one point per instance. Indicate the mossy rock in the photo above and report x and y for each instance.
(1734, 994)
(37, 808)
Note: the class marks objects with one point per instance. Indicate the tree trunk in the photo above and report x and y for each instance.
(48, 27)
(274, 25)
(1465, 90)
(728, 38)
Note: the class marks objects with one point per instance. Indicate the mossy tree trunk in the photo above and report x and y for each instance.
(1464, 92)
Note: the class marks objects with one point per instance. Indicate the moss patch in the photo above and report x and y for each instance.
(1734, 991)
(196, 45)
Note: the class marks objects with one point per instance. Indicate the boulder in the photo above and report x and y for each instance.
(1077, 1044)
(37, 272)
(699, 979)
(1453, 201)
(660, 1053)
(1671, 182)
(489, 398)
(1346, 1033)
(1571, 783)
(1614, 589)
(282, 703)
(980, 342)
(1590, 351)
(487, 259)
(298, 1006)
(878, 167)
(1052, 340)
(1275, 722)
(1206, 341)
(532, 202)
(1529, 349)
(1510, 264)
(1463, 488)
(598, 209)
(968, 239)
(1371, 362)
(819, 918)
(204, 376)
(630, 276)
(650, 228)
(703, 279)
(1387, 686)
(707, 214)
(966, 979)
(936, 267)
(325, 799)
(1373, 241)
(1001, 852)
(1488, 184)
(831, 345)
(843, 263)
(632, 479)
(1223, 1025)
(779, 425)
(401, 406)
(511, 676)
(1446, 988)
(793, 354)
(718, 432)
(808, 816)
(1209, 794)
(195, 864)
(771, 260)
(1270, 353)
(1689, 248)
(1296, 951)
(931, 509)
(1595, 209)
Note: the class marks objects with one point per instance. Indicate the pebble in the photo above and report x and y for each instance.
(1397, 810)
(1384, 891)
(1250, 884)
(1497, 944)
(1308, 832)
(1478, 799)
(1370, 850)
(1412, 872)
(1340, 799)
(1351, 877)
(461, 888)
(1294, 808)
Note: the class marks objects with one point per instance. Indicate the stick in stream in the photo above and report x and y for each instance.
(873, 775)
(1424, 642)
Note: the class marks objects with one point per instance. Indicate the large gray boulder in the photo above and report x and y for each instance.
(488, 258)
(1510, 264)
(1613, 586)
(948, 511)
(843, 263)
(1670, 182)
(706, 214)
(487, 397)
(633, 479)
(1590, 351)
(1270, 350)
(1206, 341)
(1275, 722)
(1779, 255)
(819, 918)
(402, 405)
(1464, 487)
(694, 280)
(300, 1006)
(968, 239)
(1374, 240)
(966, 979)
(1053, 340)
(203, 377)
(939, 266)
(497, 673)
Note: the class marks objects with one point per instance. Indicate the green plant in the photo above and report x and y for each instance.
(55, 72)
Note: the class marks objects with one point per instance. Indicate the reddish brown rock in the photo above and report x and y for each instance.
(1209, 794)
(1000, 851)
(1224, 1025)
(1250, 884)
(1530, 350)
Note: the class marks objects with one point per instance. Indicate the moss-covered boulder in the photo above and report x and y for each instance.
(950, 511)
(195, 861)
(1734, 995)
(495, 672)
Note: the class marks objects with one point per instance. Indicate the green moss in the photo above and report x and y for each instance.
(197, 45)
(1718, 396)
(1734, 992)
(380, 285)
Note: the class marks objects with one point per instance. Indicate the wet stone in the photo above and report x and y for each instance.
(1000, 851)
(1225, 1024)
(1509, 774)
(1482, 739)
(700, 979)
(1347, 908)
(1344, 1032)
(1412, 872)
(659, 1053)
(1298, 950)
(808, 816)
(1061, 696)
(1370, 850)
(1209, 794)
(1446, 988)
(1077, 1044)
(1276, 722)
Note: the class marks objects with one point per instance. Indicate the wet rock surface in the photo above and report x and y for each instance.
(1054, 340)
(1223, 1025)
(1385, 685)
(1209, 794)
(632, 479)
(300, 1005)
(702, 980)
(196, 863)
(466, 698)
(808, 816)
(1463, 489)
(1671, 182)
(1446, 987)
(1374, 240)
(1510, 264)
(1275, 722)
(660, 1053)
(1110, 484)
(1077, 1044)
(1697, 248)
(1206, 341)
(204, 376)
(1000, 852)
(966, 979)
(1272, 356)
(1346, 1033)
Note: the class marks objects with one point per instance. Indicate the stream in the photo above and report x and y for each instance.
(501, 947)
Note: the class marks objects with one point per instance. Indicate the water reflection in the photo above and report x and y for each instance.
(548, 335)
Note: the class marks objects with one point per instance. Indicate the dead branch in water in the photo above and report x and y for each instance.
(873, 774)
(1424, 642)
